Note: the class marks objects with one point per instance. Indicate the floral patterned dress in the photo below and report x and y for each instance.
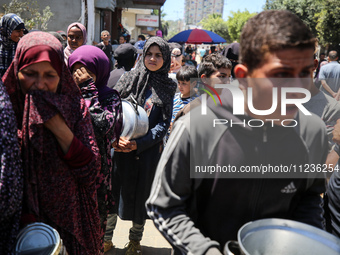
(106, 118)
(59, 189)
(11, 176)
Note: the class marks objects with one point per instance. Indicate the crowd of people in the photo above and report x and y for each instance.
(65, 163)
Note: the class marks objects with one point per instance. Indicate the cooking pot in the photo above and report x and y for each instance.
(280, 236)
(135, 120)
(38, 239)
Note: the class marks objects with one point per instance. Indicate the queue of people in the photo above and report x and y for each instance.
(65, 163)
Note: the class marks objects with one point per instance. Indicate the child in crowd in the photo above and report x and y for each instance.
(215, 69)
(187, 91)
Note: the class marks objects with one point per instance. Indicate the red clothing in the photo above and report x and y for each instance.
(59, 190)
(78, 154)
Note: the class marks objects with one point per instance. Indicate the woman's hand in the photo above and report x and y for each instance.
(133, 145)
(61, 131)
(81, 75)
(124, 145)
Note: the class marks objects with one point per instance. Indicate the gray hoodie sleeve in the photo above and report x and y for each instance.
(172, 197)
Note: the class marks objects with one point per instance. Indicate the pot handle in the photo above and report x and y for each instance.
(234, 248)
(136, 104)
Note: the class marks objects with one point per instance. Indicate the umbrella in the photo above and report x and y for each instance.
(197, 36)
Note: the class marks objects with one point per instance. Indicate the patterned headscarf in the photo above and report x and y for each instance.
(68, 51)
(54, 192)
(97, 62)
(8, 23)
(33, 40)
(136, 82)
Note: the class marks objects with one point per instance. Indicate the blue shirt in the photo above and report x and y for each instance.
(179, 103)
(331, 74)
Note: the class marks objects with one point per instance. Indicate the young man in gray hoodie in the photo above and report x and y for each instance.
(245, 160)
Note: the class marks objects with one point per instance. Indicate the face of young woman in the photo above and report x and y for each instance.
(38, 76)
(75, 38)
(16, 35)
(153, 58)
(78, 65)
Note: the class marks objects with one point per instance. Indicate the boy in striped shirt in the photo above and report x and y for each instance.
(187, 91)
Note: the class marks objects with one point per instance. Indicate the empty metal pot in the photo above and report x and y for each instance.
(38, 239)
(282, 237)
(135, 120)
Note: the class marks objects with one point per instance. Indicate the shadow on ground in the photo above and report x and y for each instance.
(146, 250)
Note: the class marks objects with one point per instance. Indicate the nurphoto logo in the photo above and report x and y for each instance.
(239, 103)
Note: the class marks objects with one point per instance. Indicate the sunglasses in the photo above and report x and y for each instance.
(173, 55)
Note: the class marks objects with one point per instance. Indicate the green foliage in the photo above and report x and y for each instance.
(322, 16)
(164, 24)
(328, 22)
(29, 12)
(156, 12)
(171, 34)
(304, 9)
(174, 27)
(236, 22)
(216, 24)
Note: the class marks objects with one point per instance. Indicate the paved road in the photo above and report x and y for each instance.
(153, 242)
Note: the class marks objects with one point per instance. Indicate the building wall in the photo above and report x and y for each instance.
(196, 10)
(65, 12)
(69, 11)
(129, 20)
(98, 27)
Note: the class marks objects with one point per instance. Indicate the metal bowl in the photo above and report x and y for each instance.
(135, 121)
(38, 239)
(281, 237)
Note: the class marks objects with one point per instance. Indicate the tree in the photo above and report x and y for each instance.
(304, 9)
(156, 12)
(30, 10)
(236, 22)
(322, 16)
(216, 24)
(164, 25)
(174, 27)
(328, 23)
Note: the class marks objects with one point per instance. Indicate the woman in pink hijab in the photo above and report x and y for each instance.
(60, 156)
(76, 37)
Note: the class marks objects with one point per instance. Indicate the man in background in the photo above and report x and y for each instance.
(125, 56)
(330, 76)
(139, 45)
(122, 39)
(231, 52)
(106, 46)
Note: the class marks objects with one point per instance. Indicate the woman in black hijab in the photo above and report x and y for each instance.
(136, 160)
